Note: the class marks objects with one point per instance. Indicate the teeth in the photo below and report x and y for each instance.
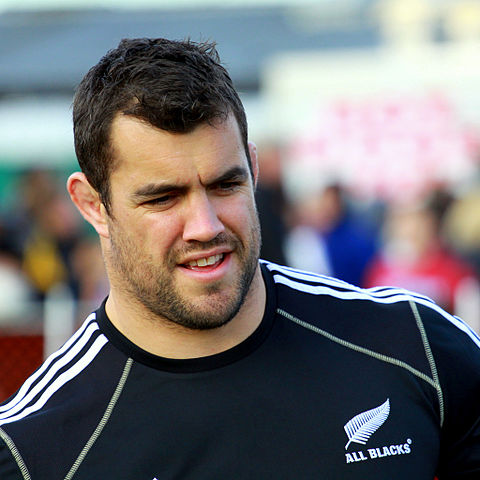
(203, 262)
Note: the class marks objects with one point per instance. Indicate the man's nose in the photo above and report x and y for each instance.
(201, 220)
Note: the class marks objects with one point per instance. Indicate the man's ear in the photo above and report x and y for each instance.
(252, 148)
(88, 202)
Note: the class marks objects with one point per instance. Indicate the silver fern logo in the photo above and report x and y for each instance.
(361, 427)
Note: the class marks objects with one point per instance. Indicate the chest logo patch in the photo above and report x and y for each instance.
(362, 426)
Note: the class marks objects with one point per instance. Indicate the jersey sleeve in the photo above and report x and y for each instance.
(455, 354)
(9, 468)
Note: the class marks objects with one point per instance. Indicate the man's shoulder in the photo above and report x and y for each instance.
(85, 356)
(63, 398)
(302, 289)
(390, 321)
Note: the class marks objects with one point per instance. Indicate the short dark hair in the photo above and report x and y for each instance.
(172, 85)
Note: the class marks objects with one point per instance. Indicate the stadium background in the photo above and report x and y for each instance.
(367, 118)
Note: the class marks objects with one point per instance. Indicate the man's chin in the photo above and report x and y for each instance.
(208, 315)
(201, 321)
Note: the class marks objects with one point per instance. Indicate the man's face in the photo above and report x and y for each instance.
(184, 236)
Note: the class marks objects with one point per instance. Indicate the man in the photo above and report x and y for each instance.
(204, 363)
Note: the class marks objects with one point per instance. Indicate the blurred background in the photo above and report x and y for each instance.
(366, 114)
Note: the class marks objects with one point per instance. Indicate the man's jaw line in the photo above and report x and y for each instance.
(195, 342)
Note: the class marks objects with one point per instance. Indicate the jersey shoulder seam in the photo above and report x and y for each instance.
(430, 358)
(103, 421)
(15, 454)
(358, 348)
(320, 285)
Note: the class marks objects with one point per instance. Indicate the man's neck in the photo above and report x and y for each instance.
(167, 339)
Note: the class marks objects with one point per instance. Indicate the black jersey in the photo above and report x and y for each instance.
(337, 382)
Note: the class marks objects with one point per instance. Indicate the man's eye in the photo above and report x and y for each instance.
(163, 200)
(227, 186)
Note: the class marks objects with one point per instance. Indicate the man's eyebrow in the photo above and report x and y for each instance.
(155, 189)
(235, 173)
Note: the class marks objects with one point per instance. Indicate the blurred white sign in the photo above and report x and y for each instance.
(387, 146)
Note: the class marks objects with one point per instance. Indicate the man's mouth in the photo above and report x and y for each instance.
(211, 261)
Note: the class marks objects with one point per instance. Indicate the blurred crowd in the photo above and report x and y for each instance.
(429, 244)
(45, 246)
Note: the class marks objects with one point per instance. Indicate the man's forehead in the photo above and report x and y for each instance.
(211, 150)
(129, 131)
(123, 121)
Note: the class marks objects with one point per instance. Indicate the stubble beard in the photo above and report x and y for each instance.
(153, 285)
